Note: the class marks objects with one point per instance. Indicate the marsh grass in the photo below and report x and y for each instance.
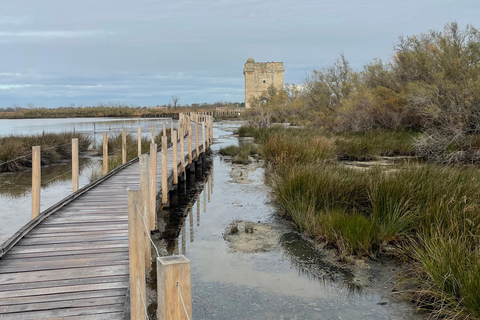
(241, 153)
(431, 213)
(320, 144)
(15, 150)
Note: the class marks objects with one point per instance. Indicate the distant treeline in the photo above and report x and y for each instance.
(108, 110)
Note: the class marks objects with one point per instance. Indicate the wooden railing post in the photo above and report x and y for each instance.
(182, 148)
(197, 147)
(105, 153)
(153, 133)
(189, 142)
(164, 171)
(139, 140)
(153, 185)
(204, 138)
(36, 180)
(75, 166)
(144, 210)
(124, 145)
(175, 154)
(136, 253)
(164, 130)
(174, 285)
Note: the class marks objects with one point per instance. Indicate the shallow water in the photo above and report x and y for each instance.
(294, 280)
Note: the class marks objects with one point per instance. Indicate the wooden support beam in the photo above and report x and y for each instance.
(182, 148)
(164, 171)
(124, 145)
(197, 146)
(173, 286)
(36, 180)
(139, 140)
(105, 153)
(153, 185)
(153, 133)
(144, 210)
(75, 166)
(175, 154)
(204, 138)
(189, 142)
(136, 253)
(164, 130)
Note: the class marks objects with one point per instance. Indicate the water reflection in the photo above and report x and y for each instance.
(19, 184)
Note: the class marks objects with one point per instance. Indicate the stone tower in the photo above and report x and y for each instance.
(259, 76)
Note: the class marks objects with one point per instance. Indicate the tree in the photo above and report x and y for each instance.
(175, 100)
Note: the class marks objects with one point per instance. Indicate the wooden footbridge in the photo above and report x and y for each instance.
(72, 261)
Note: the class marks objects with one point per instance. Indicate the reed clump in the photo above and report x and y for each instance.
(241, 153)
(426, 214)
(16, 150)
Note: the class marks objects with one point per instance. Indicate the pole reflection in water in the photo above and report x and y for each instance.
(175, 246)
(198, 211)
(184, 244)
(190, 214)
(209, 189)
(204, 197)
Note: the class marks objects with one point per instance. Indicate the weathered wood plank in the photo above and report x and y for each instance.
(66, 312)
(26, 288)
(63, 274)
(8, 301)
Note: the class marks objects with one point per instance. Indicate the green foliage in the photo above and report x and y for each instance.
(240, 154)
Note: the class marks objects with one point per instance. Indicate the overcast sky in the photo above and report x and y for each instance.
(59, 52)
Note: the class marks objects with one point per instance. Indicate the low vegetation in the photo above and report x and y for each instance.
(425, 214)
(241, 153)
(16, 150)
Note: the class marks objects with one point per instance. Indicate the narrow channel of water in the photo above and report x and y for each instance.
(291, 279)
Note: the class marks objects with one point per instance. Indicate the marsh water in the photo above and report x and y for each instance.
(15, 188)
(293, 279)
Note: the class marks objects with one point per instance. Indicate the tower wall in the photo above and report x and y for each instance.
(259, 76)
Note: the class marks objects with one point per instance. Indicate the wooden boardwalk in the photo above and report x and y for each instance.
(73, 263)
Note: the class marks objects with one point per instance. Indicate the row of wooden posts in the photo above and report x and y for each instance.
(173, 273)
(184, 129)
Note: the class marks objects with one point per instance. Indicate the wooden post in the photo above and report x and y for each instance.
(197, 147)
(75, 167)
(36, 180)
(136, 252)
(203, 137)
(171, 128)
(164, 171)
(164, 129)
(105, 153)
(173, 285)
(153, 133)
(124, 145)
(144, 210)
(175, 154)
(139, 140)
(182, 148)
(189, 142)
(153, 185)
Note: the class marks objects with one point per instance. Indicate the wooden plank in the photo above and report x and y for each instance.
(68, 247)
(65, 312)
(8, 301)
(63, 253)
(63, 264)
(63, 274)
(72, 303)
(73, 238)
(66, 285)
